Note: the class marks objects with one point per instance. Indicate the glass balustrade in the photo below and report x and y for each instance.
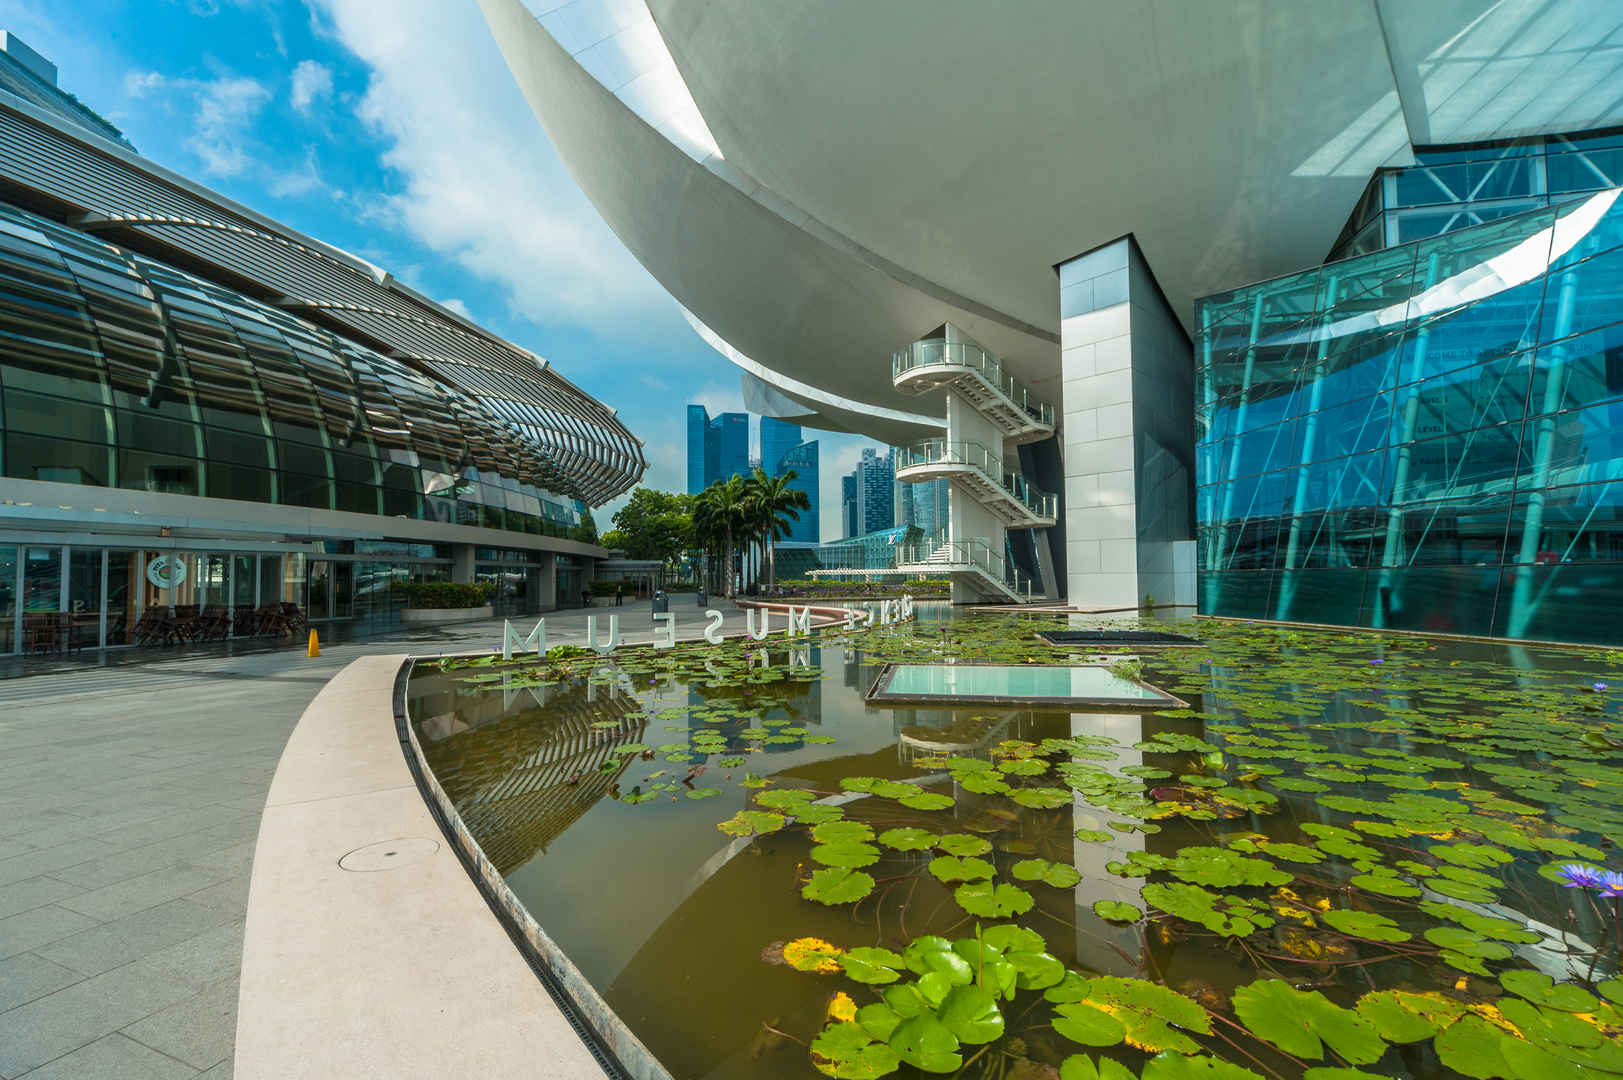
(983, 460)
(962, 354)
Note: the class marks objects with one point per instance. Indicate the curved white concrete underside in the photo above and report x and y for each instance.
(891, 167)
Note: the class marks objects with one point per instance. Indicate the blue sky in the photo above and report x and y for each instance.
(392, 129)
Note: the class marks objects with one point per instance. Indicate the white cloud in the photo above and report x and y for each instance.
(298, 181)
(483, 185)
(312, 82)
(223, 111)
(459, 307)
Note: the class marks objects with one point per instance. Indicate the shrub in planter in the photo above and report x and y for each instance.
(607, 588)
(444, 594)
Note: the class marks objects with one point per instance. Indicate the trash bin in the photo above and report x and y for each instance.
(662, 603)
(704, 601)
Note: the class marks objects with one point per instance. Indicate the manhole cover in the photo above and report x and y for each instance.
(389, 854)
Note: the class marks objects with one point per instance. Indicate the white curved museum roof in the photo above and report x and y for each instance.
(822, 184)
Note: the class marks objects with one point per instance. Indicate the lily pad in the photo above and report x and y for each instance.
(1093, 836)
(752, 822)
(1171, 1065)
(1403, 1017)
(988, 902)
(1082, 1023)
(836, 832)
(1364, 924)
(850, 854)
(837, 886)
(954, 868)
(1471, 1046)
(1150, 1012)
(1385, 886)
(1116, 911)
(963, 844)
(925, 1043)
(1304, 1023)
(908, 839)
(926, 800)
(970, 1013)
(1081, 1067)
(1059, 875)
(1042, 798)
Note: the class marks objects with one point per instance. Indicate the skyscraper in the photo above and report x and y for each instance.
(869, 495)
(717, 449)
(777, 439)
(923, 504)
(848, 505)
(803, 460)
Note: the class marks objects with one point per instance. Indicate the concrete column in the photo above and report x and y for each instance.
(462, 563)
(1129, 430)
(549, 581)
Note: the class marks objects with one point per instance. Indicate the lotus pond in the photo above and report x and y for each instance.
(1350, 856)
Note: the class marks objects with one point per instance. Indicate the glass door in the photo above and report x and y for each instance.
(320, 591)
(343, 591)
(8, 599)
(123, 596)
(84, 597)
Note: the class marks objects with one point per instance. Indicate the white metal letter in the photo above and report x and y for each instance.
(664, 636)
(591, 634)
(799, 624)
(712, 633)
(537, 641)
(749, 623)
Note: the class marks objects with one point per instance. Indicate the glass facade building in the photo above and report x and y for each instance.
(718, 448)
(1427, 437)
(118, 371)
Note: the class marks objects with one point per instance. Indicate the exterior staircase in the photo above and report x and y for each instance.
(977, 377)
(970, 563)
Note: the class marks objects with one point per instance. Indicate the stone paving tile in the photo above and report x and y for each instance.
(53, 859)
(32, 893)
(8, 848)
(40, 926)
(229, 895)
(111, 945)
(177, 823)
(139, 893)
(210, 957)
(201, 1030)
(122, 865)
(60, 1023)
(25, 977)
(235, 860)
(91, 825)
(113, 1055)
(13, 824)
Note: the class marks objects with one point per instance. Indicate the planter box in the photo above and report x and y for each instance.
(439, 616)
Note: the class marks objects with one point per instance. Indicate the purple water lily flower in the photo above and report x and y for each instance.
(1600, 686)
(1377, 661)
(1614, 884)
(1579, 876)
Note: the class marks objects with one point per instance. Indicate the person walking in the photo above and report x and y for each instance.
(619, 595)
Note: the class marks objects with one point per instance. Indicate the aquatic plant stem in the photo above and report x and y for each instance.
(1260, 1064)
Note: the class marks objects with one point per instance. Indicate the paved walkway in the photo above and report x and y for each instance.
(130, 801)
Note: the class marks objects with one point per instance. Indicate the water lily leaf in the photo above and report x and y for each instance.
(1089, 1026)
(1364, 924)
(1148, 1010)
(812, 954)
(1232, 916)
(1059, 875)
(836, 832)
(1224, 869)
(1403, 1017)
(1530, 1060)
(963, 844)
(1171, 1065)
(971, 1014)
(1303, 1023)
(1471, 855)
(864, 972)
(846, 854)
(1291, 852)
(879, 1020)
(993, 903)
(968, 868)
(1289, 783)
(990, 783)
(1116, 911)
(837, 886)
(818, 814)
(630, 748)
(1025, 767)
(1539, 988)
(752, 822)
(1461, 890)
(1093, 836)
(925, 1043)
(1385, 886)
(1072, 988)
(1566, 848)
(702, 793)
(1471, 1046)
(1081, 1067)
(1042, 798)
(926, 800)
(864, 1063)
(817, 739)
(1322, 1072)
(908, 839)
(1010, 938)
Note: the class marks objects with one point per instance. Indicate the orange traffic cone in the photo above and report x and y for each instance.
(315, 645)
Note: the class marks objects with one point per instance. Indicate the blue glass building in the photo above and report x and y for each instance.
(718, 448)
(1427, 436)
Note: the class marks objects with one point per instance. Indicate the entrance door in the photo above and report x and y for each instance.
(320, 582)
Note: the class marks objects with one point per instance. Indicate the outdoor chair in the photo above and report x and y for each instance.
(187, 625)
(149, 627)
(39, 631)
(270, 620)
(295, 617)
(214, 624)
(245, 620)
(69, 633)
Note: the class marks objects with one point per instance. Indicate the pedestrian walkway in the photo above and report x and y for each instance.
(130, 801)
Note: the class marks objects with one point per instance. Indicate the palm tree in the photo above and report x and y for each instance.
(720, 511)
(773, 505)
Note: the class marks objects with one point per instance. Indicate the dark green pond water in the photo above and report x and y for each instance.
(1341, 860)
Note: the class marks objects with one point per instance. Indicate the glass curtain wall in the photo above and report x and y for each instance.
(122, 372)
(1428, 437)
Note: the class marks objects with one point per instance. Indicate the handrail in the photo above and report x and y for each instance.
(975, 455)
(974, 552)
(963, 354)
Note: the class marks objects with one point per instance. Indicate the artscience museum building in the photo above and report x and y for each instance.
(1309, 313)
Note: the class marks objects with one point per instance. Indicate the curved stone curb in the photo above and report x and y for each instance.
(605, 1024)
(401, 972)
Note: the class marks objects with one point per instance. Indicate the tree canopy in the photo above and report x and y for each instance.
(653, 525)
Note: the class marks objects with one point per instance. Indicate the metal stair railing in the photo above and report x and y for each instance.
(1040, 503)
(974, 553)
(973, 357)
